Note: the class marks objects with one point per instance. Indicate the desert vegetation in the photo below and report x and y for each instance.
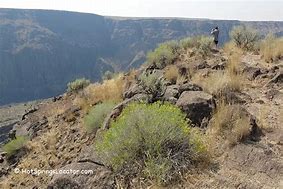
(271, 48)
(13, 146)
(164, 55)
(77, 85)
(231, 123)
(201, 45)
(245, 37)
(197, 115)
(151, 141)
(95, 117)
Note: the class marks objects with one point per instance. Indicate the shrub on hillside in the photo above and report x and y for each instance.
(244, 37)
(152, 83)
(77, 85)
(200, 44)
(152, 141)
(231, 123)
(108, 75)
(171, 73)
(164, 55)
(15, 145)
(94, 119)
(271, 48)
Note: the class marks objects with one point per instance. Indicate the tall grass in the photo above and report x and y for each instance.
(271, 48)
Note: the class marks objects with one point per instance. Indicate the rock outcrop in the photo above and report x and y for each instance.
(197, 105)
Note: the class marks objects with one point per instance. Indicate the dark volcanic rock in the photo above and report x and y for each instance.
(278, 78)
(197, 105)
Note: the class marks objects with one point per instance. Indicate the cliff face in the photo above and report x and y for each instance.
(40, 51)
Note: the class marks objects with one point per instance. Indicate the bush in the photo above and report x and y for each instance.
(171, 73)
(152, 83)
(152, 141)
(12, 147)
(199, 44)
(108, 75)
(231, 122)
(244, 37)
(271, 48)
(94, 119)
(77, 85)
(164, 55)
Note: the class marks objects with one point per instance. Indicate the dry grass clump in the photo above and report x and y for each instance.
(231, 123)
(109, 90)
(271, 48)
(231, 48)
(220, 83)
(171, 73)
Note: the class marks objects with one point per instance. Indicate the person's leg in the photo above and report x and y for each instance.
(215, 42)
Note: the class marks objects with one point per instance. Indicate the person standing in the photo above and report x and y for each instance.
(215, 33)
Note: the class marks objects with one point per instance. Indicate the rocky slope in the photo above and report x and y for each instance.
(59, 139)
(41, 51)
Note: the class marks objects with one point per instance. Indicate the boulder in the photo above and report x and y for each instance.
(253, 72)
(219, 66)
(198, 105)
(28, 112)
(278, 78)
(232, 97)
(171, 92)
(133, 90)
(84, 175)
(189, 87)
(201, 65)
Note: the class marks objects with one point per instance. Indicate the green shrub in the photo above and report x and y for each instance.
(108, 75)
(77, 85)
(164, 55)
(199, 44)
(15, 145)
(152, 83)
(94, 119)
(152, 141)
(244, 37)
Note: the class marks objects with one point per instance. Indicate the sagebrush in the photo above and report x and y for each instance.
(152, 141)
(94, 119)
(78, 84)
(201, 45)
(164, 55)
(15, 145)
(245, 37)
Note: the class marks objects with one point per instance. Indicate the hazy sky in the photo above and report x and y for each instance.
(213, 9)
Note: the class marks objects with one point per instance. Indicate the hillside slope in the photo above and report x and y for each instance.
(40, 51)
(232, 100)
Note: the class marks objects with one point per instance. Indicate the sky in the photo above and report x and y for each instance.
(248, 10)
